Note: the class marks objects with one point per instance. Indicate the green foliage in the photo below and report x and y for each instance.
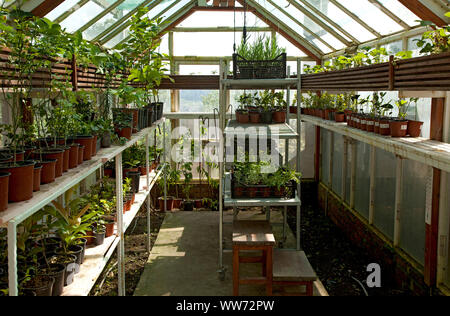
(264, 47)
(435, 40)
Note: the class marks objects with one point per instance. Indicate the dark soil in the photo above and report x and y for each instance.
(136, 256)
(337, 262)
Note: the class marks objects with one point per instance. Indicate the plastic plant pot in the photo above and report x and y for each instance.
(48, 170)
(414, 128)
(50, 153)
(399, 128)
(37, 177)
(4, 184)
(20, 185)
(56, 271)
(87, 142)
(99, 233)
(80, 154)
(73, 155)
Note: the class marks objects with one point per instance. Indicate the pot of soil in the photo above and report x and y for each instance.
(68, 261)
(52, 153)
(99, 233)
(89, 238)
(255, 117)
(127, 170)
(252, 192)
(20, 154)
(42, 285)
(80, 154)
(50, 243)
(106, 140)
(188, 206)
(4, 184)
(376, 126)
(198, 204)
(135, 113)
(327, 114)
(238, 191)
(73, 155)
(339, 117)
(347, 113)
(177, 203)
(150, 115)
(37, 177)
(370, 124)
(414, 128)
(48, 171)
(86, 141)
(135, 177)
(279, 116)
(242, 117)
(331, 115)
(399, 128)
(293, 109)
(125, 132)
(5, 157)
(109, 228)
(83, 243)
(385, 129)
(73, 250)
(266, 117)
(66, 158)
(169, 203)
(363, 123)
(159, 108)
(279, 192)
(108, 172)
(266, 192)
(55, 271)
(94, 145)
(143, 170)
(20, 185)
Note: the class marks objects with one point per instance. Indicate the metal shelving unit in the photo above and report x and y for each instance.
(18, 212)
(232, 129)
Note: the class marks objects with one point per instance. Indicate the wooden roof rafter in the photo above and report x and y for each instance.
(423, 12)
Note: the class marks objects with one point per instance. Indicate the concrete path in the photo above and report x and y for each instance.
(184, 259)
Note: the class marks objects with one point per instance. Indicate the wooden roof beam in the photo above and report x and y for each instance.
(423, 12)
(46, 7)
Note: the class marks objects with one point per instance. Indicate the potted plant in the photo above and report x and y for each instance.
(279, 113)
(399, 125)
(414, 127)
(242, 112)
(186, 169)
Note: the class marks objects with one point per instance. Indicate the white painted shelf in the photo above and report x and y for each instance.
(281, 131)
(49, 192)
(96, 257)
(429, 152)
(260, 83)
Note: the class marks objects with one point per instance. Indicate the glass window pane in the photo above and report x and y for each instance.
(325, 152)
(199, 69)
(348, 176)
(412, 222)
(371, 15)
(401, 11)
(385, 185)
(338, 155)
(198, 100)
(82, 16)
(213, 19)
(362, 184)
(63, 7)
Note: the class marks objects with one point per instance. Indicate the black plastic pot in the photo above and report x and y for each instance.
(188, 206)
(135, 177)
(106, 140)
(73, 250)
(99, 234)
(68, 261)
(83, 243)
(43, 288)
(266, 117)
(56, 271)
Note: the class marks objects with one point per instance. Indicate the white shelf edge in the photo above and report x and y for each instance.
(438, 156)
(97, 257)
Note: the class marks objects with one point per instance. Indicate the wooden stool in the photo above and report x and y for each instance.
(292, 268)
(253, 235)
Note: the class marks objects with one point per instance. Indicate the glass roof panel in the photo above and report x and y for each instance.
(81, 16)
(63, 7)
(401, 11)
(343, 20)
(118, 38)
(217, 19)
(110, 18)
(371, 15)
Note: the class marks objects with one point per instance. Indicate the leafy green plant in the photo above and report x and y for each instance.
(435, 40)
(264, 47)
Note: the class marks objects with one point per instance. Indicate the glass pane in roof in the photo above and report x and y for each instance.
(167, 8)
(80, 17)
(110, 18)
(63, 7)
(118, 38)
(213, 19)
(401, 11)
(371, 15)
(343, 20)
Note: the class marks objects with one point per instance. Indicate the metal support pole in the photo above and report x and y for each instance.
(372, 185)
(222, 111)
(164, 164)
(12, 258)
(120, 226)
(299, 140)
(147, 166)
(344, 169)
(353, 174)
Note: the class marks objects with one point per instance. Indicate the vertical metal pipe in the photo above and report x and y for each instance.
(344, 169)
(164, 165)
(372, 184)
(299, 147)
(120, 226)
(147, 168)
(12, 258)
(353, 174)
(222, 112)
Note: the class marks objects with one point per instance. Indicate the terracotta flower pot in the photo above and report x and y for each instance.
(125, 132)
(169, 203)
(242, 117)
(80, 154)
(198, 204)
(370, 125)
(37, 177)
(109, 229)
(48, 170)
(376, 126)
(94, 146)
(238, 192)
(66, 159)
(52, 153)
(414, 128)
(363, 122)
(266, 192)
(177, 203)
(87, 142)
(73, 155)
(252, 192)
(4, 184)
(20, 186)
(293, 110)
(339, 117)
(255, 117)
(399, 128)
(279, 117)
(385, 129)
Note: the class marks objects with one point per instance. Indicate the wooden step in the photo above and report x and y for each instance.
(292, 266)
(253, 233)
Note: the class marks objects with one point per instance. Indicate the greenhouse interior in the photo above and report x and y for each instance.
(225, 148)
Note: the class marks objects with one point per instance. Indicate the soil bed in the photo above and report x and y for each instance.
(136, 255)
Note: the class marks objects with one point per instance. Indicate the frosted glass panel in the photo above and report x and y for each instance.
(325, 150)
(412, 236)
(338, 156)
(362, 189)
(385, 183)
(349, 174)
(307, 148)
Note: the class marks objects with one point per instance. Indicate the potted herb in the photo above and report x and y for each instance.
(399, 125)
(279, 113)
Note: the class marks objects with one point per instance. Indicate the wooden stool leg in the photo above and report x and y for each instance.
(269, 270)
(264, 263)
(235, 271)
(309, 289)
